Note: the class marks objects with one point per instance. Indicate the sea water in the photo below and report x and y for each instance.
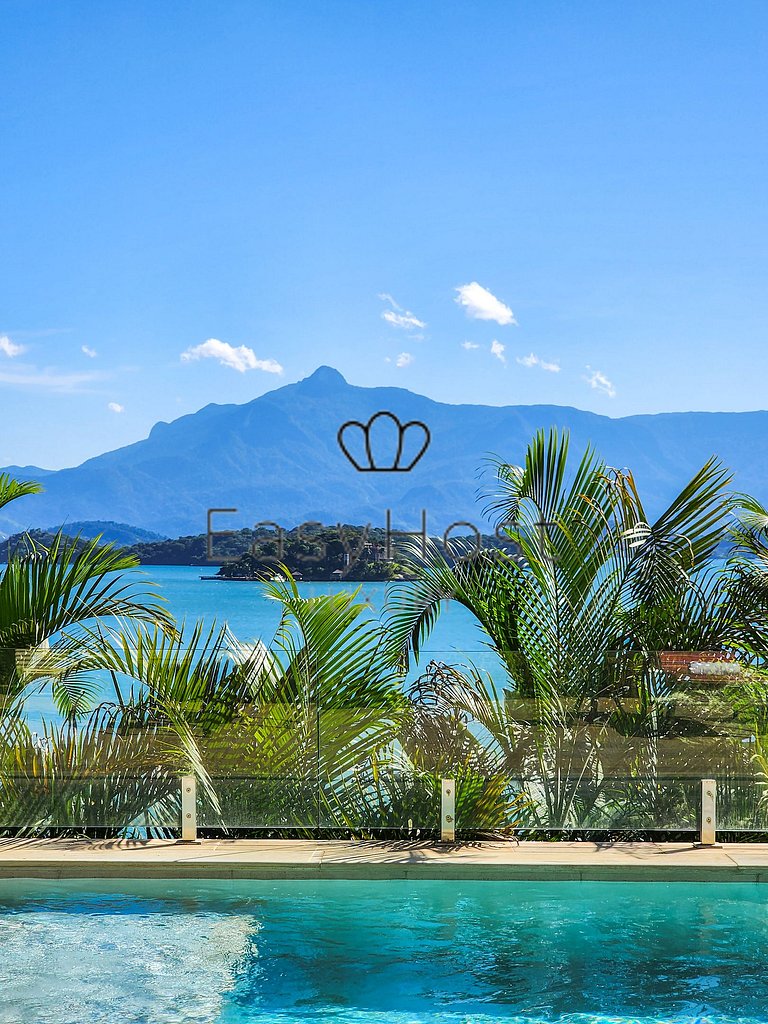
(253, 616)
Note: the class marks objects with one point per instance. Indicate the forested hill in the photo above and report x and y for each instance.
(311, 551)
(277, 458)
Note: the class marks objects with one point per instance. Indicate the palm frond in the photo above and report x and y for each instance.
(12, 489)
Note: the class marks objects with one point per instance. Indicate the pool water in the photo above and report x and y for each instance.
(396, 952)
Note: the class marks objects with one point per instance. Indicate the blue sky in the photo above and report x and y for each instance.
(194, 196)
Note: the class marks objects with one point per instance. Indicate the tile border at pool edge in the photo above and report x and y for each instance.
(280, 873)
(270, 859)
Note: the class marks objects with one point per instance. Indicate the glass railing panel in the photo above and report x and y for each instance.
(263, 769)
(375, 798)
(637, 804)
(260, 802)
(742, 803)
(135, 804)
(615, 742)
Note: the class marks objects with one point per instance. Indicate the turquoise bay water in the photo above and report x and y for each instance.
(457, 638)
(251, 615)
(382, 952)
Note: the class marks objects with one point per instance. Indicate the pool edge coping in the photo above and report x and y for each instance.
(339, 860)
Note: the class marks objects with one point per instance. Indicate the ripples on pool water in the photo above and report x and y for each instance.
(385, 952)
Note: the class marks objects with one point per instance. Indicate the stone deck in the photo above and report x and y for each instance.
(275, 859)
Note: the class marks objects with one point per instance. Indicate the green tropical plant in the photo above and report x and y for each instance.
(577, 611)
(53, 601)
(589, 727)
(327, 695)
(269, 734)
(48, 599)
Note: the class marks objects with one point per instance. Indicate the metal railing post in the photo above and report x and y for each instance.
(708, 825)
(448, 811)
(188, 809)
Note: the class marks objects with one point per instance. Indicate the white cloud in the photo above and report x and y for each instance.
(115, 407)
(240, 358)
(600, 382)
(9, 348)
(497, 349)
(407, 321)
(469, 345)
(88, 351)
(404, 319)
(404, 359)
(480, 304)
(533, 360)
(47, 378)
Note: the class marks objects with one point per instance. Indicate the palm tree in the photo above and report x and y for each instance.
(118, 764)
(273, 736)
(574, 613)
(327, 698)
(48, 598)
(314, 731)
(52, 602)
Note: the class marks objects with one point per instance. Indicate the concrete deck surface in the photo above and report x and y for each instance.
(274, 859)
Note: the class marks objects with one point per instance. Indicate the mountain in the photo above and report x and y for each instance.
(111, 533)
(129, 537)
(277, 458)
(27, 472)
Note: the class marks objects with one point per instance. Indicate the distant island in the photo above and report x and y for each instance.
(317, 552)
(312, 551)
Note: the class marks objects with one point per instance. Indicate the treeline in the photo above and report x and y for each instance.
(315, 552)
(191, 550)
(311, 551)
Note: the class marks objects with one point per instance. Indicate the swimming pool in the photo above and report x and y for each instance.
(394, 952)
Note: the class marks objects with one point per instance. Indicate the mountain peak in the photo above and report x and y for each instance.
(324, 377)
(276, 458)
